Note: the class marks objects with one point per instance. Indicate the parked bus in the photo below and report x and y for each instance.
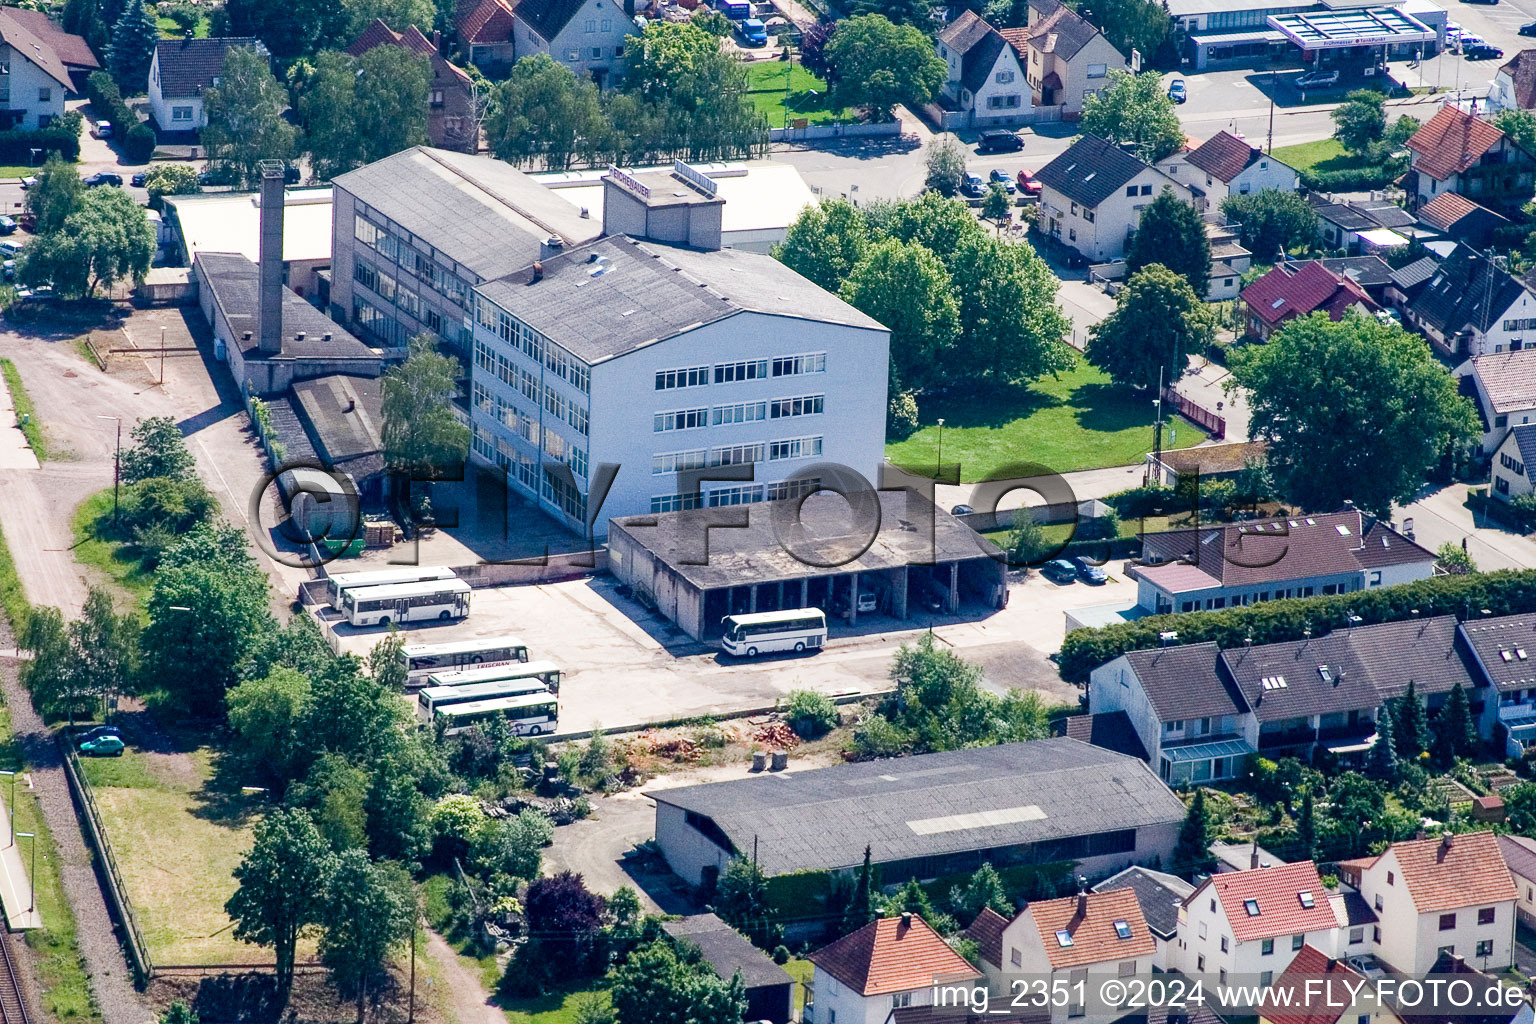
(421, 660)
(342, 582)
(529, 715)
(406, 602)
(430, 698)
(546, 672)
(794, 629)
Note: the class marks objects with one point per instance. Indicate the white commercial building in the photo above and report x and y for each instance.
(231, 222)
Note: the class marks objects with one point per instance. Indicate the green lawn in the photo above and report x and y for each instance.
(801, 971)
(807, 94)
(1079, 420)
(95, 547)
(170, 30)
(33, 427)
(1322, 155)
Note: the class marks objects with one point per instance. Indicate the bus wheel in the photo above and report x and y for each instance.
(751, 652)
(444, 616)
(535, 730)
(799, 647)
(384, 621)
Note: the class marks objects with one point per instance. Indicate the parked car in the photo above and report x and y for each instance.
(1481, 51)
(10, 250)
(1176, 91)
(1479, 1)
(104, 178)
(8, 270)
(1001, 177)
(931, 595)
(27, 183)
(7, 226)
(1317, 80)
(1528, 29)
(1471, 39)
(1028, 185)
(103, 746)
(98, 731)
(137, 181)
(1000, 141)
(102, 129)
(974, 186)
(1059, 570)
(1088, 572)
(961, 510)
(753, 33)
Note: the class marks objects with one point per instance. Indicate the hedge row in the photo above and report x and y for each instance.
(1506, 592)
(61, 137)
(1352, 179)
(138, 141)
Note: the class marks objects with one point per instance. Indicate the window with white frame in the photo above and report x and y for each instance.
(690, 377)
(789, 366)
(805, 405)
(794, 448)
(751, 369)
(674, 462)
(679, 419)
(741, 412)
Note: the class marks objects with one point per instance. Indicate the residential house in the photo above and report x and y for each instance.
(986, 80)
(179, 73)
(451, 121)
(1320, 988)
(1520, 854)
(1158, 894)
(1290, 290)
(1066, 59)
(1084, 939)
(1457, 152)
(587, 36)
(1452, 894)
(1242, 857)
(891, 963)
(1457, 217)
(1362, 225)
(72, 50)
(1472, 307)
(1250, 924)
(1226, 165)
(484, 30)
(1514, 86)
(1092, 196)
(1453, 968)
(1505, 387)
(1372, 273)
(1333, 553)
(34, 74)
(1504, 651)
(1409, 281)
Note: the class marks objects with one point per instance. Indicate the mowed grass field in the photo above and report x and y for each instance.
(807, 94)
(1322, 155)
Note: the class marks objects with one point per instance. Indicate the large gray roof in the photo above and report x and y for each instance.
(1090, 171)
(1182, 682)
(728, 951)
(931, 804)
(235, 286)
(483, 213)
(1158, 893)
(1506, 647)
(617, 294)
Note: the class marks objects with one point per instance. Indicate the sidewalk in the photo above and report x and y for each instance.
(15, 453)
(15, 888)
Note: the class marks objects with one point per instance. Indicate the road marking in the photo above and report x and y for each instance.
(213, 463)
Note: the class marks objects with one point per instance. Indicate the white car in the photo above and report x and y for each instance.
(1452, 30)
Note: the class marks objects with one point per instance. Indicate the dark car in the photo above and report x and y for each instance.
(1479, 1)
(137, 181)
(1088, 572)
(1482, 51)
(1059, 571)
(1176, 91)
(1001, 177)
(1000, 142)
(7, 226)
(96, 732)
(974, 186)
(1528, 29)
(104, 178)
(961, 510)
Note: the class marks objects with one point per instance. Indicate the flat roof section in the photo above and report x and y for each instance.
(912, 531)
(1337, 30)
(231, 222)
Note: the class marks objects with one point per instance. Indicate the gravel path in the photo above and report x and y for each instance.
(468, 1001)
(111, 982)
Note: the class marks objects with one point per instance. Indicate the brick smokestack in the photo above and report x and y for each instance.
(269, 307)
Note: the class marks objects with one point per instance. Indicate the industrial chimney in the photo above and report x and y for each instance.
(269, 306)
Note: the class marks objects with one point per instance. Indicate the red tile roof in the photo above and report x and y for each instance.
(889, 955)
(1467, 871)
(73, 50)
(1090, 920)
(1277, 893)
(1451, 142)
(1445, 209)
(489, 21)
(1315, 989)
(1290, 290)
(987, 930)
(1223, 156)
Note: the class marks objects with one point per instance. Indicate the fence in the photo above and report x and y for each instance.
(1214, 424)
(963, 120)
(834, 131)
(96, 834)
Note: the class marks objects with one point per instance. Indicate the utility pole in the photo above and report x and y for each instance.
(162, 356)
(1269, 142)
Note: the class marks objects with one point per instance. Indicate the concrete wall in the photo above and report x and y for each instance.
(684, 847)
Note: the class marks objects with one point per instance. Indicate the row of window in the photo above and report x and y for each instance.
(730, 455)
(534, 345)
(423, 266)
(524, 469)
(741, 412)
(554, 445)
(1511, 463)
(526, 381)
(750, 369)
(592, 52)
(743, 494)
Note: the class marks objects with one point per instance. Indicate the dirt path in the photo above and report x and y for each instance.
(468, 1001)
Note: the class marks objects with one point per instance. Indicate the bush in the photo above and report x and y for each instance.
(810, 714)
(1355, 178)
(1522, 510)
(1147, 500)
(901, 416)
(61, 137)
(139, 143)
(1104, 527)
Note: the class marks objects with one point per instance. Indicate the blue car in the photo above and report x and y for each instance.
(753, 33)
(1176, 91)
(1059, 571)
(1088, 572)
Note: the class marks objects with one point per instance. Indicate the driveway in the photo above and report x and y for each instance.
(1440, 516)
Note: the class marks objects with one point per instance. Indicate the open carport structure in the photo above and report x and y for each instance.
(894, 548)
(1354, 36)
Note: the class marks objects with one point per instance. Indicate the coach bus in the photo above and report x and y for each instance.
(422, 660)
(406, 602)
(546, 672)
(430, 698)
(794, 629)
(339, 584)
(531, 714)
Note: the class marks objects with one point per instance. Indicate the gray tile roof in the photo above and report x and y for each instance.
(188, 66)
(1181, 682)
(1158, 893)
(1111, 730)
(1466, 290)
(483, 213)
(235, 286)
(1415, 273)
(612, 296)
(823, 818)
(1520, 854)
(1525, 440)
(22, 36)
(1509, 378)
(1496, 644)
(728, 951)
(1090, 171)
(1366, 271)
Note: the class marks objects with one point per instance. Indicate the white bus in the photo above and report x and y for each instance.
(342, 582)
(406, 602)
(421, 660)
(793, 629)
(529, 715)
(546, 672)
(430, 698)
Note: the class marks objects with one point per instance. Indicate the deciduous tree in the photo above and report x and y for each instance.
(56, 194)
(267, 716)
(1172, 233)
(946, 166)
(1271, 220)
(422, 435)
(660, 985)
(825, 243)
(878, 64)
(106, 239)
(1361, 120)
(542, 111)
(1133, 110)
(158, 449)
(905, 287)
(1157, 322)
(1011, 328)
(279, 885)
(245, 115)
(368, 912)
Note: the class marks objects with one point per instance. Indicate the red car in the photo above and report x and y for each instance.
(1028, 185)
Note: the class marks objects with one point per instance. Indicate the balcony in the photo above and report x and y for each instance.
(1287, 738)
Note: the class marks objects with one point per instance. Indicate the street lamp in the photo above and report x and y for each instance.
(31, 878)
(12, 814)
(941, 446)
(117, 464)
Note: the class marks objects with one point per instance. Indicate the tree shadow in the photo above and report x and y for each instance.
(1112, 407)
(992, 407)
(224, 799)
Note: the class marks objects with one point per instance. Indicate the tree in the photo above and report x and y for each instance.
(1403, 129)
(158, 449)
(1360, 121)
(1011, 328)
(1455, 732)
(662, 985)
(1382, 762)
(906, 288)
(693, 93)
(1306, 829)
(295, 28)
(1192, 850)
(918, 13)
(422, 435)
(179, 1013)
(397, 13)
(513, 846)
(245, 115)
(133, 47)
(1172, 233)
(1007, 13)
(326, 99)
(878, 64)
(946, 166)
(1027, 542)
(105, 645)
(267, 716)
(171, 179)
(813, 46)
(278, 882)
(1519, 125)
(567, 918)
(368, 911)
(996, 205)
(542, 111)
(1272, 220)
(105, 240)
(825, 243)
(1158, 321)
(1143, 25)
(984, 889)
(1351, 410)
(386, 662)
(56, 195)
(49, 673)
(1133, 110)
(861, 903)
(1410, 725)
(741, 900)
(1454, 559)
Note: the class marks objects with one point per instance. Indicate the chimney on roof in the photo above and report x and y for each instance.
(437, 40)
(906, 920)
(538, 272)
(1421, 834)
(1253, 858)
(1447, 841)
(269, 263)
